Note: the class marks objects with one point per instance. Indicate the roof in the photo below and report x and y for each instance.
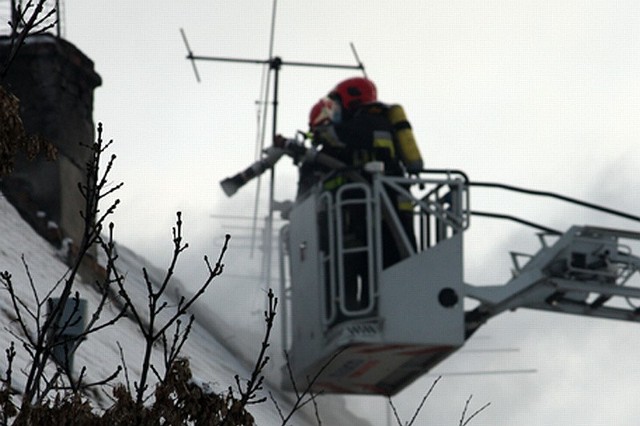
(212, 363)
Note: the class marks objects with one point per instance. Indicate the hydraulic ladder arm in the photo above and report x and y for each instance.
(585, 272)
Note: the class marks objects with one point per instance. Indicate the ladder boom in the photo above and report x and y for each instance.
(586, 272)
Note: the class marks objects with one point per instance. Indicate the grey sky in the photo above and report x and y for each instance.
(541, 94)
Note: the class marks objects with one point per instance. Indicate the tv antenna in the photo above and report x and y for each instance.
(274, 63)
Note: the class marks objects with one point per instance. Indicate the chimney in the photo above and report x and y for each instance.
(54, 82)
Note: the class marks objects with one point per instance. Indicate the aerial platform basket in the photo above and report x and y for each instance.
(409, 315)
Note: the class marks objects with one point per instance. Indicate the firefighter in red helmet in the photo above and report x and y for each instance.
(324, 115)
(324, 112)
(369, 130)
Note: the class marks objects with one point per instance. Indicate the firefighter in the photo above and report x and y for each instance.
(324, 115)
(325, 119)
(357, 128)
(374, 131)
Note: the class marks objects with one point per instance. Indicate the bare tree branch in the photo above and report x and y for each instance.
(475, 413)
(306, 396)
(23, 27)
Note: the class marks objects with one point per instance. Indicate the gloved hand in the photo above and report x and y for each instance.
(293, 147)
(279, 141)
(326, 135)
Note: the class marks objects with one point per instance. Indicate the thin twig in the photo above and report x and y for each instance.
(394, 410)
(275, 403)
(424, 399)
(248, 392)
(300, 397)
(124, 367)
(475, 413)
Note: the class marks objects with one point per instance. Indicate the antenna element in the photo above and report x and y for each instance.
(190, 55)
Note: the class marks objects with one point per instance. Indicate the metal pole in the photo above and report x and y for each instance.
(14, 18)
(58, 22)
(275, 65)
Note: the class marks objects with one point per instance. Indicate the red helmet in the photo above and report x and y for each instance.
(355, 91)
(325, 111)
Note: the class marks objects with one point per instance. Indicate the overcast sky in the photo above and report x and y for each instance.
(540, 94)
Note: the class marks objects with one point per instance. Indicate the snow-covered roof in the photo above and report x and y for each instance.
(211, 362)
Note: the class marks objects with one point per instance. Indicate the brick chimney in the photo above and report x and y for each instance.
(54, 82)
